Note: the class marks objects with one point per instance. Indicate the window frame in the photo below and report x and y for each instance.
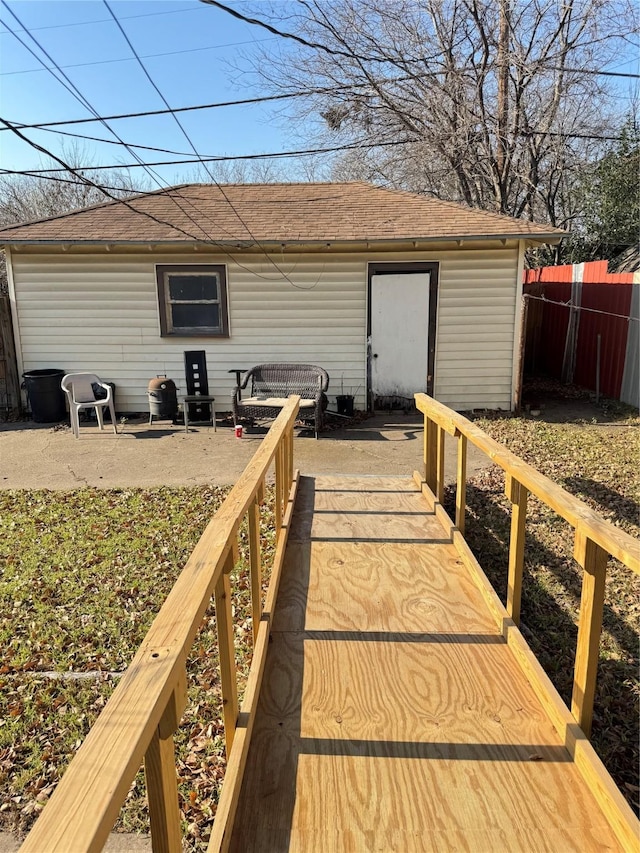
(167, 329)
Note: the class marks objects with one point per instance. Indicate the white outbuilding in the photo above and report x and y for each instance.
(391, 292)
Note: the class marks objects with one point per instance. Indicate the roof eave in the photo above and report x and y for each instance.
(551, 238)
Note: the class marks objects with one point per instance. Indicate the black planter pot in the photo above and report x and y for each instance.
(344, 403)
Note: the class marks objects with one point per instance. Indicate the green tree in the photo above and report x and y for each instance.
(612, 199)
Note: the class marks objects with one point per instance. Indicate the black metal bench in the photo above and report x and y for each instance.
(271, 384)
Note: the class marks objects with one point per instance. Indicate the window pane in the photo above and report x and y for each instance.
(191, 287)
(195, 316)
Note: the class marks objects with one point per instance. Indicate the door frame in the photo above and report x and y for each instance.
(392, 268)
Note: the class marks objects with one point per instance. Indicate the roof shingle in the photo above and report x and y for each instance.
(265, 213)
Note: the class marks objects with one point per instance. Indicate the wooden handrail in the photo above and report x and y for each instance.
(138, 721)
(614, 541)
(595, 538)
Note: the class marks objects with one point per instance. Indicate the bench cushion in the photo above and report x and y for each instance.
(274, 402)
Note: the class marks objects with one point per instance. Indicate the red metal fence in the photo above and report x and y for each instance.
(582, 327)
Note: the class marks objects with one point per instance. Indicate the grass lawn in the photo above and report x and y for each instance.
(85, 572)
(600, 464)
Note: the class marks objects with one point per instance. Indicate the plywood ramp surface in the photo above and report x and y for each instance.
(393, 716)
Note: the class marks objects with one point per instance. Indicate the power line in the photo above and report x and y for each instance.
(313, 44)
(106, 20)
(77, 94)
(263, 99)
(271, 155)
(169, 192)
(83, 179)
(351, 55)
(191, 144)
(156, 178)
(303, 152)
(125, 190)
(238, 103)
(130, 59)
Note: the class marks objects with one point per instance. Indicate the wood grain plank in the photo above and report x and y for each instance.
(393, 713)
(386, 587)
(162, 792)
(379, 734)
(461, 483)
(369, 510)
(594, 562)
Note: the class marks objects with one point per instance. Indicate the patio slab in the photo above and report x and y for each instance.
(36, 456)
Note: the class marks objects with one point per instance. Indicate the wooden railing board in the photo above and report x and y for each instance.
(596, 539)
(440, 465)
(461, 483)
(226, 652)
(255, 566)
(162, 794)
(113, 750)
(614, 806)
(225, 814)
(616, 542)
(593, 560)
(517, 494)
(143, 708)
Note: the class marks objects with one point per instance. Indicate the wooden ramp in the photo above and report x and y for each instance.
(393, 715)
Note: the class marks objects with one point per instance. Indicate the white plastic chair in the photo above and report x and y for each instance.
(79, 390)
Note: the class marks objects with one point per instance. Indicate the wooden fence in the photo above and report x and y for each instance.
(139, 720)
(9, 381)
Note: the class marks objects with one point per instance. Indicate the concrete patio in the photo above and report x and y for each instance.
(36, 456)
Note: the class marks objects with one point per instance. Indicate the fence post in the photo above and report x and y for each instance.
(517, 494)
(593, 560)
(161, 777)
(461, 482)
(224, 622)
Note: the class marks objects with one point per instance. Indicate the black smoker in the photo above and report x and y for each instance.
(163, 399)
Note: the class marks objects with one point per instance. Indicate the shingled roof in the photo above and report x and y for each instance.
(246, 214)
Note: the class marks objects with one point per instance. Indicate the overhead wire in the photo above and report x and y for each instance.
(353, 55)
(127, 203)
(313, 44)
(157, 89)
(105, 20)
(302, 152)
(263, 99)
(89, 182)
(174, 195)
(269, 155)
(130, 59)
(68, 84)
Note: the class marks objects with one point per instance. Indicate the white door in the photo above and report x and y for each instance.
(399, 334)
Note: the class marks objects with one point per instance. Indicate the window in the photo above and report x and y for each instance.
(193, 300)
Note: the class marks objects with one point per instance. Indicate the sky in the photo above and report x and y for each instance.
(187, 48)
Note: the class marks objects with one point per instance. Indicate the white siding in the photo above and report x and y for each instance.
(476, 319)
(99, 312)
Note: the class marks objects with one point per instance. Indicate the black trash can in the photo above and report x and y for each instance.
(46, 397)
(100, 393)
